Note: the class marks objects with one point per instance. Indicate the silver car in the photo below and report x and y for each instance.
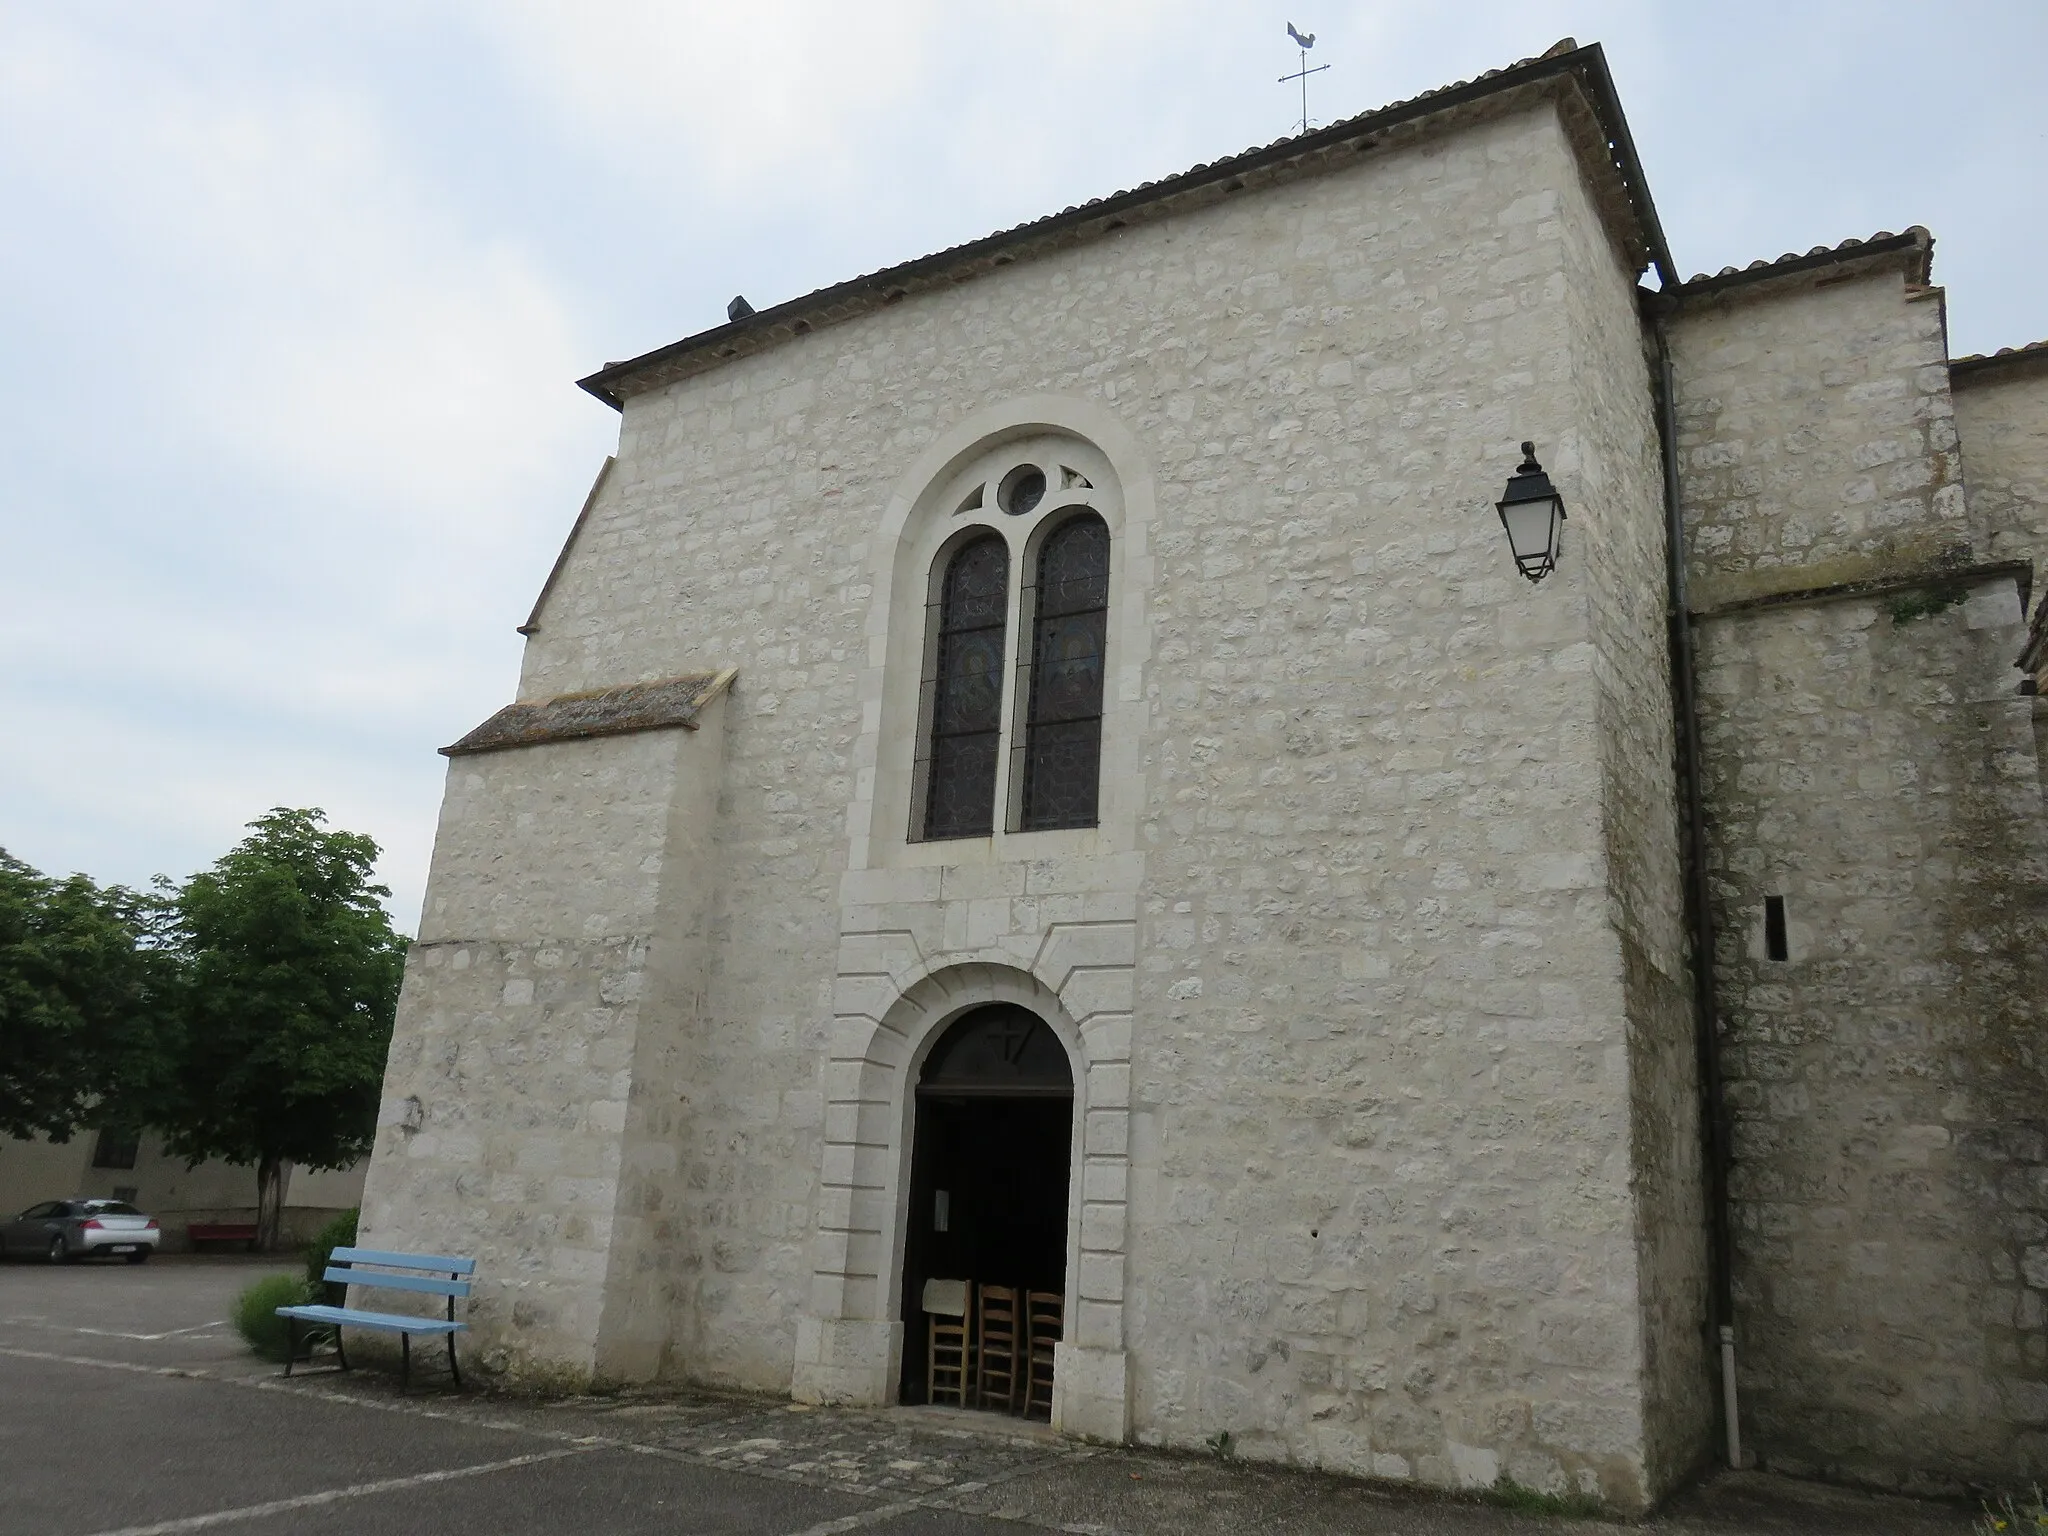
(62, 1230)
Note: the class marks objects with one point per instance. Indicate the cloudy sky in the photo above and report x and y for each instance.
(292, 298)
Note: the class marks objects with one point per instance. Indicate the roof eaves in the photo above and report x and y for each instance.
(2006, 360)
(1100, 216)
(1884, 243)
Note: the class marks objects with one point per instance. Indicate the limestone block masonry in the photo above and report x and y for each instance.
(1872, 775)
(2001, 406)
(1374, 970)
(532, 1097)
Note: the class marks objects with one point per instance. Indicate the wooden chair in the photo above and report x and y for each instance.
(949, 1350)
(1044, 1320)
(996, 1335)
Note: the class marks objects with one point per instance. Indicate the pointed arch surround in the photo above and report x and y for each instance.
(1063, 483)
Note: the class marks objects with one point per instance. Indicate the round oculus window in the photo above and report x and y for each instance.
(1023, 489)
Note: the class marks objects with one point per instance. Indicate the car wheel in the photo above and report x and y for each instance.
(139, 1256)
(59, 1254)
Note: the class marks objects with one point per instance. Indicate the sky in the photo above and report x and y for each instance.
(293, 298)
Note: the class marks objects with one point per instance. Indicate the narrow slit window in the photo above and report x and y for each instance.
(1774, 928)
(964, 692)
(1063, 731)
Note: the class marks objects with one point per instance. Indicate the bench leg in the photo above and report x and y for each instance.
(340, 1353)
(291, 1351)
(404, 1362)
(453, 1369)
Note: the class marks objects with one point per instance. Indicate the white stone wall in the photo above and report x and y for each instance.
(1345, 968)
(1817, 434)
(1620, 522)
(527, 1115)
(2002, 419)
(1870, 762)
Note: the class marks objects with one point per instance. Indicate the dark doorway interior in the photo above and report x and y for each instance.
(989, 1167)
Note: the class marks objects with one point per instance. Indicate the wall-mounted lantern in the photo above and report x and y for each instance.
(1533, 514)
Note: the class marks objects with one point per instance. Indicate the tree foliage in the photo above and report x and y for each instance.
(244, 1015)
(86, 992)
(291, 975)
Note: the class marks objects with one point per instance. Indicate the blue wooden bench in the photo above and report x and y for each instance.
(431, 1273)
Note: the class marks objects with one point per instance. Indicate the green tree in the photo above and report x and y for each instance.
(291, 982)
(86, 984)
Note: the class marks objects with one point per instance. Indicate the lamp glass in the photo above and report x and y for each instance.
(1532, 533)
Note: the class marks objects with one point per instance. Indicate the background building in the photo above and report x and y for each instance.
(117, 1166)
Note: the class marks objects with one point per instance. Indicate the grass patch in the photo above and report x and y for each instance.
(255, 1314)
(1509, 1494)
(2011, 1517)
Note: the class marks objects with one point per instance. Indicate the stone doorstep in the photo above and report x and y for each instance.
(976, 1421)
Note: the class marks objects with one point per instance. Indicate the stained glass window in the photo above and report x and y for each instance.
(964, 692)
(1063, 730)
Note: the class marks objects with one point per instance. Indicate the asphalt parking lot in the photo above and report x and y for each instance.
(128, 1407)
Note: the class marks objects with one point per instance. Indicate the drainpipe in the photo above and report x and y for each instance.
(1715, 1125)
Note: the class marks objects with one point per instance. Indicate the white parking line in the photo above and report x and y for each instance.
(334, 1495)
(936, 1500)
(105, 1333)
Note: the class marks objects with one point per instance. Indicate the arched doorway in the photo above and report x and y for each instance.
(991, 1159)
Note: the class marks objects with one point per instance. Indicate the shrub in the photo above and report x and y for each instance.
(338, 1233)
(255, 1315)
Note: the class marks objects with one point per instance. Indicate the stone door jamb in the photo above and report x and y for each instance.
(850, 1345)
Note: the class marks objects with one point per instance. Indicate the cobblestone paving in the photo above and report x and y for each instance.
(986, 1467)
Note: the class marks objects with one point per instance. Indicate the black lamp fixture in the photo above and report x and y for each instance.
(1533, 514)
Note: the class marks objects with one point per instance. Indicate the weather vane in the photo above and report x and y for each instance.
(1306, 42)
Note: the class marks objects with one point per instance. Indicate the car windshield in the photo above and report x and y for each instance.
(111, 1208)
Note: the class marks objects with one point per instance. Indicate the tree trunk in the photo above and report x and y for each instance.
(269, 1201)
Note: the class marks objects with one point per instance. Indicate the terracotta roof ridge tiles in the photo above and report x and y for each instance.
(2032, 352)
(887, 285)
(1914, 236)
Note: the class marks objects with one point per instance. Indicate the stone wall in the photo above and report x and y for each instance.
(531, 1099)
(1817, 432)
(1618, 523)
(1869, 763)
(1377, 968)
(2001, 405)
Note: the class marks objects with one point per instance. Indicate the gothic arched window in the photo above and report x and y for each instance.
(964, 691)
(1062, 747)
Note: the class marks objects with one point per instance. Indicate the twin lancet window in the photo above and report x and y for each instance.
(1055, 748)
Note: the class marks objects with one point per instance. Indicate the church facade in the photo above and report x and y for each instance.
(1036, 768)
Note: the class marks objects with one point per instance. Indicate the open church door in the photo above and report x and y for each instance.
(991, 1161)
